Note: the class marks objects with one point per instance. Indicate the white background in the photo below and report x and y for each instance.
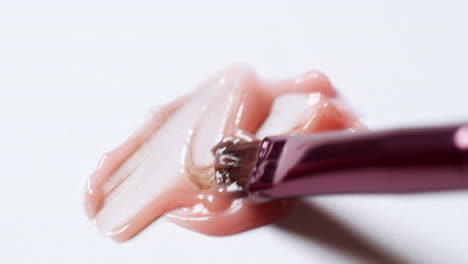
(77, 76)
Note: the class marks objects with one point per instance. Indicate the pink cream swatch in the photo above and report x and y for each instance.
(166, 167)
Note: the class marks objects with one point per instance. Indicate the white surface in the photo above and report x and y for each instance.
(77, 76)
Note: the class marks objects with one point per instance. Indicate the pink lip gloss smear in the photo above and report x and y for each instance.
(166, 167)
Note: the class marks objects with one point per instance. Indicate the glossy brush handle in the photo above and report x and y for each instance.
(405, 160)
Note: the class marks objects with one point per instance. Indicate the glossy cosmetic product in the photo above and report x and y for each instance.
(167, 167)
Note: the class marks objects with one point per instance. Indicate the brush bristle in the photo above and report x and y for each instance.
(234, 161)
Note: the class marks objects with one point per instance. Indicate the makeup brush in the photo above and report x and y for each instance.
(392, 161)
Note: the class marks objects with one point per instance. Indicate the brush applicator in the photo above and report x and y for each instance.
(393, 161)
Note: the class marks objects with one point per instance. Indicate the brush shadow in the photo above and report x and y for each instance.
(314, 224)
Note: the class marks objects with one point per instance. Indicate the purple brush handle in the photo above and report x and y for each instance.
(404, 160)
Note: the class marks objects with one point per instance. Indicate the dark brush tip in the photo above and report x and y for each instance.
(234, 161)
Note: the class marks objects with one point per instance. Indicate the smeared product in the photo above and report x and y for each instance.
(167, 168)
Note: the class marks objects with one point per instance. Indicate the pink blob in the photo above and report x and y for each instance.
(461, 138)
